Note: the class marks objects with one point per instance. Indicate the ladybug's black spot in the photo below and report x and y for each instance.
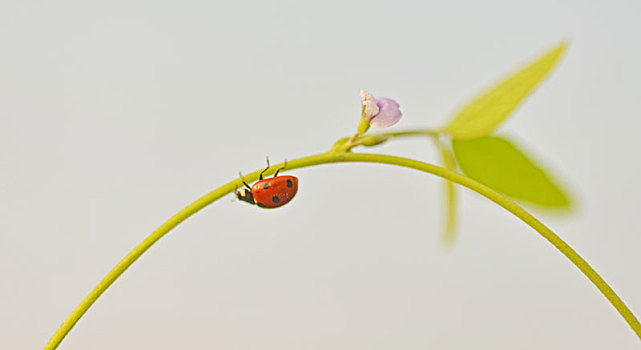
(260, 204)
(266, 186)
(289, 183)
(275, 199)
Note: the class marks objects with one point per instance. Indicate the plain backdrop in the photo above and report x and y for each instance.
(116, 114)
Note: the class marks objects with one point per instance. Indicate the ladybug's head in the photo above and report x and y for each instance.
(245, 195)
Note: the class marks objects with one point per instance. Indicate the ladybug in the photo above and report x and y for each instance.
(269, 193)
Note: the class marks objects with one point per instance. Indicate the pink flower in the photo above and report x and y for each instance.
(388, 115)
(381, 112)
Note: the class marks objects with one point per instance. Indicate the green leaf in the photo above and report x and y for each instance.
(484, 114)
(499, 164)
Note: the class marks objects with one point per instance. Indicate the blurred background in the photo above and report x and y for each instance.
(114, 115)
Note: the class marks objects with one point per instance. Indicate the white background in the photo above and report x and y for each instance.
(114, 115)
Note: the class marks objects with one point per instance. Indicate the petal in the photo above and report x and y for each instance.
(388, 115)
(369, 101)
(366, 96)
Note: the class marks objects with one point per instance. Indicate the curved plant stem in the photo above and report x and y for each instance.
(334, 157)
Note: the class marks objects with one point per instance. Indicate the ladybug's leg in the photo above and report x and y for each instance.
(243, 180)
(281, 168)
(261, 173)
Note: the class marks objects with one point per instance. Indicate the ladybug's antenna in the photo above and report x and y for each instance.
(281, 168)
(261, 173)
(243, 180)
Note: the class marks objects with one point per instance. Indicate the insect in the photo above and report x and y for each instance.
(269, 193)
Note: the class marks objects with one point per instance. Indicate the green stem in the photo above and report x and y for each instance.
(419, 132)
(334, 157)
(346, 144)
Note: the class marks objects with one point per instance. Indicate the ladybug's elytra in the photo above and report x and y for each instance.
(269, 193)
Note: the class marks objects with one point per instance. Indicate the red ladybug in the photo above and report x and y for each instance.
(269, 193)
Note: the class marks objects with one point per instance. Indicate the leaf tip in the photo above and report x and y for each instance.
(483, 115)
(558, 50)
